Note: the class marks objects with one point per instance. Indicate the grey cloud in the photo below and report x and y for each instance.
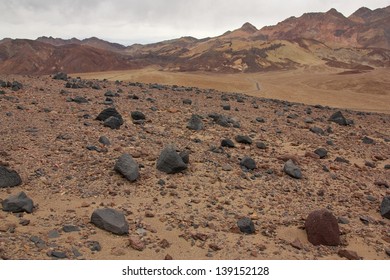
(152, 20)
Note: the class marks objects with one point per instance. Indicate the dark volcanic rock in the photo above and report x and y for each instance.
(104, 140)
(322, 228)
(248, 162)
(58, 254)
(109, 112)
(195, 123)
(227, 143)
(321, 152)
(243, 139)
(368, 140)
(246, 225)
(137, 115)
(187, 101)
(9, 178)
(127, 166)
(338, 118)
(317, 130)
(18, 203)
(291, 169)
(60, 76)
(170, 161)
(261, 145)
(113, 122)
(110, 220)
(385, 207)
(79, 100)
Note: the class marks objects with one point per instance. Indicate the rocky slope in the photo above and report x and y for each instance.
(246, 175)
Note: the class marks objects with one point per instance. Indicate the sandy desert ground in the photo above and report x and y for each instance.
(363, 91)
(49, 135)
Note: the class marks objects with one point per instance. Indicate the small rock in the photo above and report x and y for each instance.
(227, 167)
(79, 100)
(104, 140)
(322, 228)
(385, 207)
(18, 203)
(226, 107)
(9, 178)
(292, 170)
(113, 122)
(94, 246)
(246, 225)
(248, 162)
(168, 257)
(227, 143)
(170, 161)
(58, 254)
(297, 244)
(136, 243)
(338, 118)
(110, 220)
(261, 145)
(243, 139)
(321, 152)
(317, 130)
(343, 220)
(195, 123)
(70, 228)
(350, 255)
(137, 115)
(187, 101)
(128, 167)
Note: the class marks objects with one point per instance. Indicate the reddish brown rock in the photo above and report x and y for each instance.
(322, 228)
(350, 255)
(136, 243)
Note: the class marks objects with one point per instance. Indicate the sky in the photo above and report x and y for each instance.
(147, 21)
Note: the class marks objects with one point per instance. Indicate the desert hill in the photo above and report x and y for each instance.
(358, 42)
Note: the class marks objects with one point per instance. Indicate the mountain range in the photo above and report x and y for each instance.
(359, 42)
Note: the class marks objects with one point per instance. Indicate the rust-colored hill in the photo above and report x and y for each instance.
(358, 42)
(33, 57)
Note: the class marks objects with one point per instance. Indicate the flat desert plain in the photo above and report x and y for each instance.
(356, 90)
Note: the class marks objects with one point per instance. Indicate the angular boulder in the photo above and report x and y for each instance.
(322, 228)
(109, 112)
(195, 123)
(9, 178)
(248, 163)
(292, 170)
(246, 225)
(127, 167)
(18, 203)
(110, 220)
(170, 161)
(339, 118)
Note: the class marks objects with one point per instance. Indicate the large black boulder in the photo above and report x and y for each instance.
(18, 203)
(170, 161)
(127, 167)
(9, 178)
(110, 220)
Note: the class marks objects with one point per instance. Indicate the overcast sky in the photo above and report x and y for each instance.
(146, 21)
